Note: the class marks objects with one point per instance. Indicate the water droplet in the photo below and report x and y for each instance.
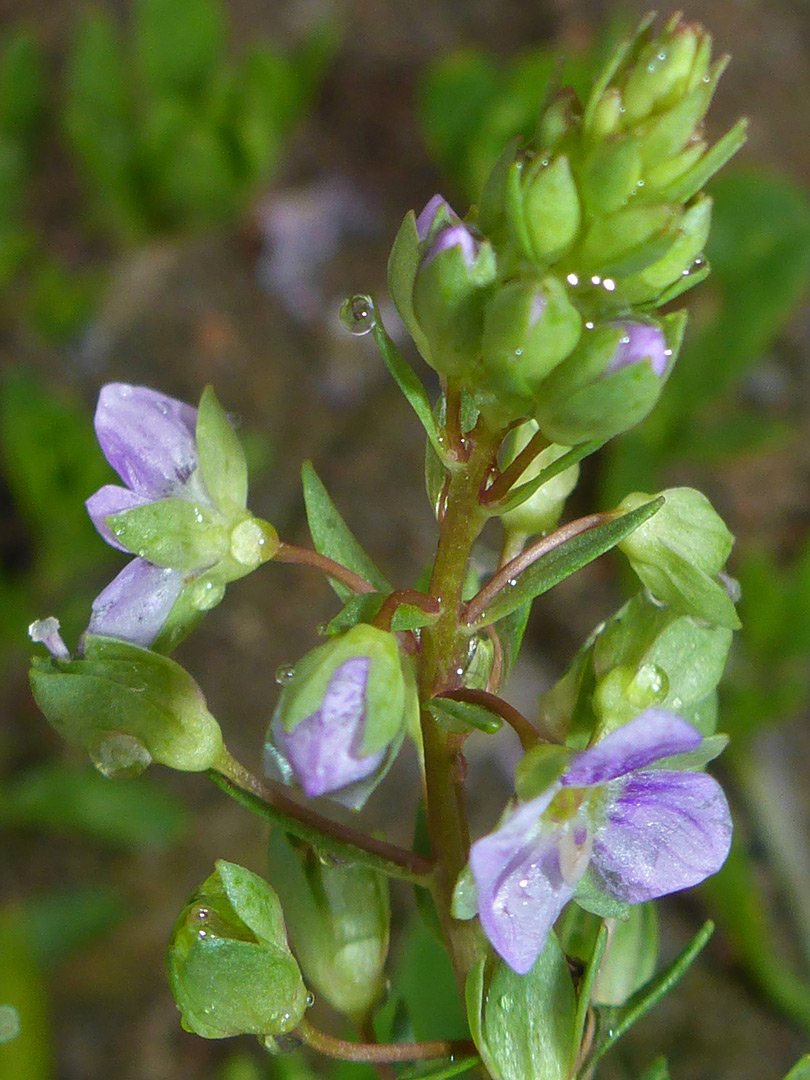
(202, 913)
(676, 703)
(284, 673)
(506, 1002)
(609, 284)
(310, 1000)
(572, 279)
(206, 595)
(357, 314)
(649, 686)
(518, 352)
(544, 163)
(512, 582)
(120, 755)
(596, 280)
(589, 326)
(641, 182)
(202, 933)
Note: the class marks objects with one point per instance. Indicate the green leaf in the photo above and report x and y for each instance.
(178, 44)
(586, 984)
(408, 382)
(22, 88)
(461, 717)
(649, 996)
(528, 1021)
(100, 125)
(801, 1070)
(172, 532)
(428, 988)
(659, 1070)
(332, 536)
(563, 561)
(221, 457)
(29, 1056)
(64, 921)
(66, 800)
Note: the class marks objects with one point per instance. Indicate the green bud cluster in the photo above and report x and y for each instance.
(578, 237)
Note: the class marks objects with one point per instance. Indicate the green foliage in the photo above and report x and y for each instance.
(172, 133)
(332, 536)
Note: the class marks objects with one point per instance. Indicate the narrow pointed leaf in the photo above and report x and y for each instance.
(703, 170)
(649, 996)
(408, 382)
(587, 983)
(563, 561)
(801, 1070)
(333, 537)
(463, 716)
(442, 1070)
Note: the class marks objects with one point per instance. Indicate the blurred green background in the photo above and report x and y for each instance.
(188, 188)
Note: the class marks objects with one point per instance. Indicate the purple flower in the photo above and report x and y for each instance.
(323, 751)
(640, 341)
(149, 439)
(642, 831)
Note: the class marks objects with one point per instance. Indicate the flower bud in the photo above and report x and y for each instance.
(630, 956)
(543, 209)
(650, 655)
(342, 716)
(230, 969)
(610, 382)
(524, 1025)
(448, 295)
(127, 706)
(529, 328)
(338, 920)
(541, 511)
(650, 283)
(679, 553)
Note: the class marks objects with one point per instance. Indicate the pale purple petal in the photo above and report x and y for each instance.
(648, 737)
(46, 632)
(640, 341)
(663, 831)
(521, 889)
(148, 438)
(426, 218)
(454, 236)
(324, 749)
(136, 604)
(112, 499)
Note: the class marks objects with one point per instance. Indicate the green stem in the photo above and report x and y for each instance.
(267, 802)
(371, 1053)
(444, 649)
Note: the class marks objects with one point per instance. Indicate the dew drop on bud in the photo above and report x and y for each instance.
(357, 314)
(284, 673)
(310, 1000)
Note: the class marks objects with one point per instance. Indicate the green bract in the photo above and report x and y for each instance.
(338, 920)
(523, 1025)
(542, 510)
(127, 706)
(230, 968)
(680, 552)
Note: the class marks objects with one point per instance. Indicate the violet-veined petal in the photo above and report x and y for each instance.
(663, 831)
(136, 603)
(148, 438)
(521, 889)
(323, 749)
(454, 236)
(427, 215)
(648, 737)
(112, 499)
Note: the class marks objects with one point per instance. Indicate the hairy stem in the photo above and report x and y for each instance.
(378, 1052)
(274, 806)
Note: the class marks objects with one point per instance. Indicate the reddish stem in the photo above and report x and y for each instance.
(516, 720)
(513, 472)
(500, 580)
(372, 1053)
(290, 553)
